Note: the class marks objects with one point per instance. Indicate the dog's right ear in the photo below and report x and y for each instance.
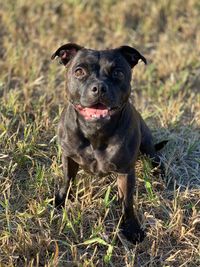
(66, 52)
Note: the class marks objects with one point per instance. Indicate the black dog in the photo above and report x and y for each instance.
(99, 129)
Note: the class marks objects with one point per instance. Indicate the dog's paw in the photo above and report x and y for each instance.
(60, 199)
(132, 231)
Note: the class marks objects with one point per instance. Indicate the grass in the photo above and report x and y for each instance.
(166, 92)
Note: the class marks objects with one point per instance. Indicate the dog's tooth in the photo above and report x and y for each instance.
(94, 116)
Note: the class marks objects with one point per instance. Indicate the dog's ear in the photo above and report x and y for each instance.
(66, 52)
(131, 55)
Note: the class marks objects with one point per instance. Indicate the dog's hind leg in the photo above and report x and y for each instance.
(149, 149)
(146, 147)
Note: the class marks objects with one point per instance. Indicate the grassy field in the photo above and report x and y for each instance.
(166, 92)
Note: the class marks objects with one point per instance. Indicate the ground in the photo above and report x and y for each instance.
(32, 95)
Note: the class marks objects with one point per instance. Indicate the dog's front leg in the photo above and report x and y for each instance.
(70, 169)
(130, 226)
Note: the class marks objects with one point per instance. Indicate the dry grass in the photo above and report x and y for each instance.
(32, 232)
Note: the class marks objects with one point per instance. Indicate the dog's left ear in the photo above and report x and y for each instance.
(66, 52)
(131, 55)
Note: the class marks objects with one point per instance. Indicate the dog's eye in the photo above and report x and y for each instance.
(118, 74)
(80, 72)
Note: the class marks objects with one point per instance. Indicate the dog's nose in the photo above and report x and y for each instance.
(99, 89)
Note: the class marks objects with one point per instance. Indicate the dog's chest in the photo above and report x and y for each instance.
(95, 160)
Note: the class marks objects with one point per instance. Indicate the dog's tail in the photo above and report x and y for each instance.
(160, 145)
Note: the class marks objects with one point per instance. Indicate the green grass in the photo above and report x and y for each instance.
(32, 95)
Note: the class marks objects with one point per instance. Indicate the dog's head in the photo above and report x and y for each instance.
(98, 82)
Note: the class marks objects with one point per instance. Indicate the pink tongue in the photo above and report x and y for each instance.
(95, 111)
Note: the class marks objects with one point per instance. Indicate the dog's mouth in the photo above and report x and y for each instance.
(97, 111)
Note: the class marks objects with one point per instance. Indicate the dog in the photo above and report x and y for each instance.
(99, 129)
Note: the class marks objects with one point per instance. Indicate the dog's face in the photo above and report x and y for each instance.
(98, 82)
